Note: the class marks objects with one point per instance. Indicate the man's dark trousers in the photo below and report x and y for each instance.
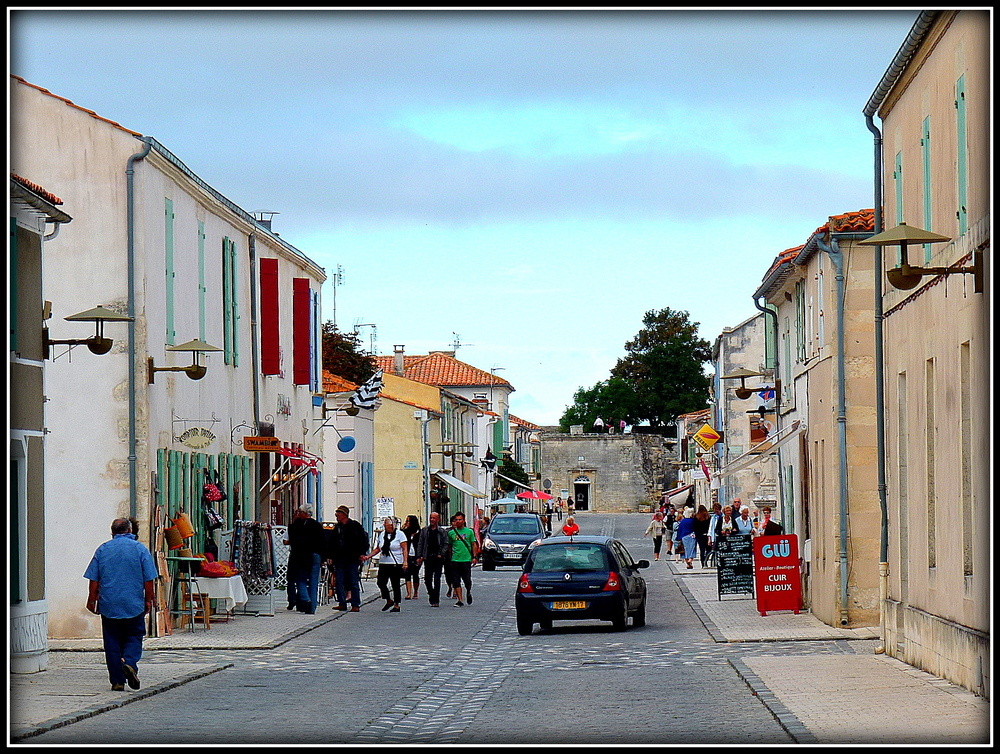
(348, 579)
(122, 643)
(432, 578)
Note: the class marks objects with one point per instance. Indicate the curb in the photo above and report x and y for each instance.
(74, 717)
(786, 719)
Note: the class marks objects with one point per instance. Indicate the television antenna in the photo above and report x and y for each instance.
(457, 343)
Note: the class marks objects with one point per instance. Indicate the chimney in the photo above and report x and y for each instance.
(397, 360)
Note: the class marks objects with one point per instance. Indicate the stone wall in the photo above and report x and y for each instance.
(620, 473)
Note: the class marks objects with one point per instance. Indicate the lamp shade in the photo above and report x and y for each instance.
(903, 233)
(98, 314)
(194, 345)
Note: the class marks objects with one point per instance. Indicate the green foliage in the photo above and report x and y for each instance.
(510, 468)
(660, 377)
(343, 356)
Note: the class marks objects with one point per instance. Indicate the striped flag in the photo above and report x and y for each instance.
(490, 461)
(365, 395)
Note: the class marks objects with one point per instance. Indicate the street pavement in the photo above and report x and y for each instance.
(850, 695)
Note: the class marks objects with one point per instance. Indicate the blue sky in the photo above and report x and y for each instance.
(530, 182)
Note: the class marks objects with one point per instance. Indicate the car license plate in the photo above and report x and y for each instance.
(512, 555)
(569, 605)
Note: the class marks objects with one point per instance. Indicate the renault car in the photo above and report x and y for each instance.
(508, 539)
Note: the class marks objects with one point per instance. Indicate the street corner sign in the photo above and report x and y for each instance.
(776, 573)
(706, 437)
(261, 444)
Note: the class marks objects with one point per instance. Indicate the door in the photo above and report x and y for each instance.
(581, 497)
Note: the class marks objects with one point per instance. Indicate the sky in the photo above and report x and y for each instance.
(524, 184)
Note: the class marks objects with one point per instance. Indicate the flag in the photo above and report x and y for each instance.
(490, 461)
(704, 469)
(365, 395)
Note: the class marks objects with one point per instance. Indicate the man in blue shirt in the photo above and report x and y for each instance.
(121, 575)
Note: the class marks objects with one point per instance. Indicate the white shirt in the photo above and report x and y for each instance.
(395, 556)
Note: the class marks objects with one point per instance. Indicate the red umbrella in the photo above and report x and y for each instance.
(534, 495)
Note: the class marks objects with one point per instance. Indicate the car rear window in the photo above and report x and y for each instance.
(571, 556)
(514, 526)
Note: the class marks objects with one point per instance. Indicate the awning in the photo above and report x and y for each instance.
(753, 455)
(513, 481)
(680, 495)
(458, 484)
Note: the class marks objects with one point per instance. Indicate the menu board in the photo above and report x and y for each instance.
(734, 561)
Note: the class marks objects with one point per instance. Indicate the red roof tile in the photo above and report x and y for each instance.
(72, 104)
(522, 422)
(441, 370)
(334, 384)
(35, 188)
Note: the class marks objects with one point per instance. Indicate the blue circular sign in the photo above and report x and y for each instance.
(346, 444)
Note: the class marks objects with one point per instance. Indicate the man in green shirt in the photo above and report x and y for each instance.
(464, 552)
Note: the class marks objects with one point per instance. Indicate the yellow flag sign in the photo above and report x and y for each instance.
(706, 437)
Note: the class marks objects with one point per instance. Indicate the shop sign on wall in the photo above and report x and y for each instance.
(196, 437)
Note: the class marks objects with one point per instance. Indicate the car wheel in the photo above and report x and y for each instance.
(489, 565)
(545, 624)
(524, 626)
(639, 618)
(620, 622)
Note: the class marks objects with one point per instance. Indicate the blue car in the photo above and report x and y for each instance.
(580, 578)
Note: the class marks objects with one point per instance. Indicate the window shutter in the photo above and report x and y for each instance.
(270, 352)
(301, 331)
(168, 254)
(962, 150)
(202, 288)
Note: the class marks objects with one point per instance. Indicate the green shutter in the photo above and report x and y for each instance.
(234, 300)
(168, 253)
(962, 166)
(202, 288)
(925, 146)
(12, 284)
(897, 174)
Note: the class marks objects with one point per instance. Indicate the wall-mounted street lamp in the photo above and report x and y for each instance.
(907, 276)
(742, 392)
(97, 343)
(195, 370)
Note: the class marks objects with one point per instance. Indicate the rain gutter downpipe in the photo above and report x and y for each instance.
(787, 509)
(837, 257)
(889, 79)
(133, 474)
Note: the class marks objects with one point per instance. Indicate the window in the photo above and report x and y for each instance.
(800, 321)
(965, 440)
(897, 175)
(930, 450)
(202, 288)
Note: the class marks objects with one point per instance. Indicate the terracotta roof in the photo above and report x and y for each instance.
(522, 422)
(441, 370)
(861, 221)
(334, 384)
(72, 104)
(35, 188)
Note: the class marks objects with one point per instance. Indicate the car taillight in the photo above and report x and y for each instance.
(613, 584)
(523, 585)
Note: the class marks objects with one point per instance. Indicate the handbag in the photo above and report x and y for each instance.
(213, 518)
(212, 491)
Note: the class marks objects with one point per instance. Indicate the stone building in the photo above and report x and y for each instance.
(611, 473)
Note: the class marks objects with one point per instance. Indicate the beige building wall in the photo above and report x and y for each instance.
(400, 457)
(937, 365)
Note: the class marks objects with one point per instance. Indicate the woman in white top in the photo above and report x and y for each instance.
(393, 552)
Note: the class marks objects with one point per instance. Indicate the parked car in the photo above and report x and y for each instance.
(508, 539)
(580, 578)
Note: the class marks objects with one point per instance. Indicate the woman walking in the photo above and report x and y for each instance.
(393, 552)
(701, 521)
(657, 528)
(685, 533)
(411, 575)
(675, 540)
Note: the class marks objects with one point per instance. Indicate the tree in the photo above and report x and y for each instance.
(510, 468)
(660, 377)
(342, 355)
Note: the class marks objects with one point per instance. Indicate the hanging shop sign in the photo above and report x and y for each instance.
(776, 573)
(196, 437)
(261, 444)
(706, 437)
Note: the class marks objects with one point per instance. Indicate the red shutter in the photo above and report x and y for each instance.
(270, 351)
(301, 311)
